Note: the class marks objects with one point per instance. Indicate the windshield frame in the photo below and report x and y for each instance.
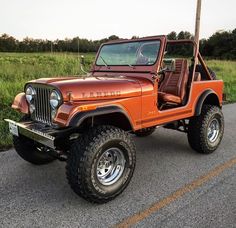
(133, 68)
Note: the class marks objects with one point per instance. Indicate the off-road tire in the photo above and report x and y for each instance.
(198, 129)
(81, 168)
(200, 70)
(145, 132)
(29, 151)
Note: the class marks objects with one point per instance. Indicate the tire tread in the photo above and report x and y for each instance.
(197, 126)
(82, 154)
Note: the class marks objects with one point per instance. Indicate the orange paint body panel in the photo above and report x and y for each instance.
(152, 117)
(20, 103)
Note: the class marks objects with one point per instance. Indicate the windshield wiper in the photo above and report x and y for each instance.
(104, 62)
(131, 66)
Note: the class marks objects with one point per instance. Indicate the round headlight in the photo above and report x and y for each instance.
(30, 93)
(55, 99)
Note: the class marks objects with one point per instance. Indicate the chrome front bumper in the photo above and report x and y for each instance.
(34, 131)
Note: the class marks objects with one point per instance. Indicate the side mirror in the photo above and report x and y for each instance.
(82, 62)
(82, 65)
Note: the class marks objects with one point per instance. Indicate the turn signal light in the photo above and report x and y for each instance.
(87, 108)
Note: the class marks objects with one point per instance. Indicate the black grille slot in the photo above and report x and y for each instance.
(42, 105)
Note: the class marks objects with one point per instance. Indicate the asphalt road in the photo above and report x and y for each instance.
(172, 187)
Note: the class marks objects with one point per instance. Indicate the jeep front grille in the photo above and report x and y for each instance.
(43, 108)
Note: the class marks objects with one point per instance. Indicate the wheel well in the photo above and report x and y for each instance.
(116, 119)
(208, 97)
(212, 99)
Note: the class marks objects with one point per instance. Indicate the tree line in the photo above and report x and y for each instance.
(10, 44)
(221, 45)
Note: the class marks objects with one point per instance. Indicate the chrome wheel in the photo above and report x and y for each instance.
(213, 130)
(110, 166)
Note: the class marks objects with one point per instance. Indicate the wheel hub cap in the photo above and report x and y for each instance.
(110, 166)
(213, 130)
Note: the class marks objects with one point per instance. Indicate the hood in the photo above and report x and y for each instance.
(94, 88)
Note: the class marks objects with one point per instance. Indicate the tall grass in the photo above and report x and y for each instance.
(18, 68)
(226, 70)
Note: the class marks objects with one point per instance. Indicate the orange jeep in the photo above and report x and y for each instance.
(134, 86)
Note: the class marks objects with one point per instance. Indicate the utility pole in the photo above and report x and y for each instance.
(197, 25)
(196, 38)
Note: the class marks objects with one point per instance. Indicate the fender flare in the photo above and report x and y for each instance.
(81, 116)
(201, 100)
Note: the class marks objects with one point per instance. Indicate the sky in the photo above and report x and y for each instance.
(97, 19)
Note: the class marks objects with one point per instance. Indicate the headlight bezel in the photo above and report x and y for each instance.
(30, 93)
(55, 99)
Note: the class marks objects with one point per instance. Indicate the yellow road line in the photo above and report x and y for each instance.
(132, 220)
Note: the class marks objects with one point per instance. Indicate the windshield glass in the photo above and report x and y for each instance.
(137, 53)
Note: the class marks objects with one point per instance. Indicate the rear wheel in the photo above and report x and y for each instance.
(101, 164)
(205, 132)
(201, 70)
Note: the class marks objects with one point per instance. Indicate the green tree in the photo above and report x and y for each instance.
(172, 36)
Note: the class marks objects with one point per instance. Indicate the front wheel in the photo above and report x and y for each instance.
(205, 132)
(101, 163)
(30, 152)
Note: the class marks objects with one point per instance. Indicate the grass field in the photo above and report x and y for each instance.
(17, 68)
